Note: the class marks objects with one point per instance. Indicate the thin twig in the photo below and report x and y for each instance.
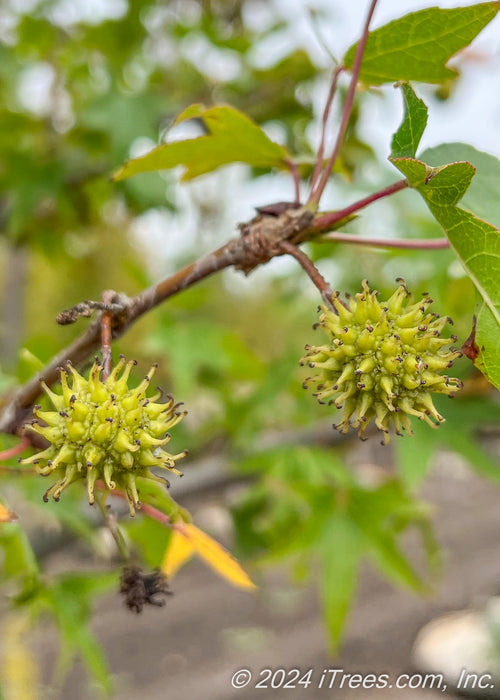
(326, 114)
(415, 244)
(16, 450)
(85, 309)
(315, 195)
(106, 335)
(311, 269)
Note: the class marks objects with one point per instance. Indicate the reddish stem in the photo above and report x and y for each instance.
(16, 450)
(106, 336)
(326, 114)
(156, 514)
(325, 221)
(419, 244)
(147, 509)
(315, 195)
(296, 179)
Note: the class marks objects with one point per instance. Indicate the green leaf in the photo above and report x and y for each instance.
(18, 556)
(156, 494)
(418, 45)
(70, 601)
(482, 198)
(406, 139)
(475, 242)
(151, 539)
(232, 138)
(487, 341)
(442, 186)
(341, 547)
(483, 195)
(391, 561)
(376, 513)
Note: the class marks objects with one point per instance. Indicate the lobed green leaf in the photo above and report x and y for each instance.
(475, 241)
(232, 138)
(418, 45)
(406, 139)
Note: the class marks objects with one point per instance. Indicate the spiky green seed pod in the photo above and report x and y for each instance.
(383, 361)
(104, 431)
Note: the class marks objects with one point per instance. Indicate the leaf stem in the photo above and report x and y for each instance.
(415, 244)
(149, 510)
(316, 193)
(292, 166)
(323, 222)
(156, 514)
(326, 114)
(16, 450)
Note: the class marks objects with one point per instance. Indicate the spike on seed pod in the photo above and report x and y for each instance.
(104, 431)
(400, 364)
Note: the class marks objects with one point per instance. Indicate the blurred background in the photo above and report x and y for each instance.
(84, 86)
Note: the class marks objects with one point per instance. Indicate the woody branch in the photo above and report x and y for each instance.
(261, 239)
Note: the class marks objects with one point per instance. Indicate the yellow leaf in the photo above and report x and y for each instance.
(6, 516)
(217, 557)
(180, 550)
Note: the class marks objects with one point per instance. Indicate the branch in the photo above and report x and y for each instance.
(311, 269)
(85, 309)
(415, 244)
(315, 195)
(259, 241)
(17, 406)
